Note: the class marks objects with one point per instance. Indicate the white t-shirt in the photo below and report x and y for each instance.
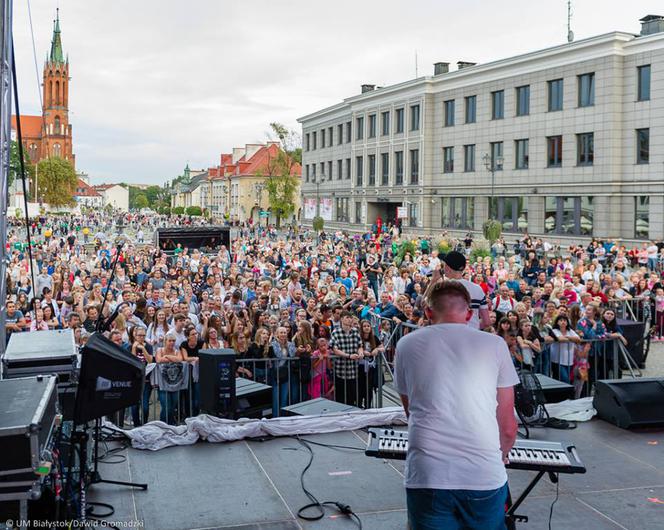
(477, 301)
(450, 374)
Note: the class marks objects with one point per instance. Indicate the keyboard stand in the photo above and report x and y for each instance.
(512, 518)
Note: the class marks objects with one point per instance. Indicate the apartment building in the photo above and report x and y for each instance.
(565, 142)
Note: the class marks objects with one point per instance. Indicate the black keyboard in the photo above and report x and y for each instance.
(531, 455)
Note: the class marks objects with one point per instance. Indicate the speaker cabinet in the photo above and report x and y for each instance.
(217, 382)
(630, 402)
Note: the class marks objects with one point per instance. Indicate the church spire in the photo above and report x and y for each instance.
(56, 55)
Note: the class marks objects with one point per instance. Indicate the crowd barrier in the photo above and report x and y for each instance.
(172, 390)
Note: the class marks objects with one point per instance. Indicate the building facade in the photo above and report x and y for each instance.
(51, 133)
(565, 142)
(115, 195)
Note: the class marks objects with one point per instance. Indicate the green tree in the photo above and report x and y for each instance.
(281, 181)
(15, 164)
(178, 210)
(141, 201)
(57, 182)
(194, 210)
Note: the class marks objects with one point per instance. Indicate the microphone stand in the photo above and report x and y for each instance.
(104, 325)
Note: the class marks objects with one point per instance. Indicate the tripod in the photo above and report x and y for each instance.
(95, 477)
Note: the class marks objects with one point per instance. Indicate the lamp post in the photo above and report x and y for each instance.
(492, 164)
(225, 206)
(318, 183)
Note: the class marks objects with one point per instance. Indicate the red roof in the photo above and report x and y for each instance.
(83, 189)
(31, 126)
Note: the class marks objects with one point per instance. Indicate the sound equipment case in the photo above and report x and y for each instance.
(27, 420)
(41, 352)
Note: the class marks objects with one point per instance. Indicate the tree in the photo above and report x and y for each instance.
(281, 181)
(194, 210)
(57, 181)
(15, 165)
(141, 201)
(178, 210)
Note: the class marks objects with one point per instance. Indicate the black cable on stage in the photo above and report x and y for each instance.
(315, 503)
(554, 500)
(22, 161)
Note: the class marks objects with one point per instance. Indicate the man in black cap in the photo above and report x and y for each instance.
(454, 263)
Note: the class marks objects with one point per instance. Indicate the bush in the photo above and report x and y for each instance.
(444, 246)
(164, 210)
(407, 247)
(492, 230)
(194, 210)
(480, 250)
(318, 223)
(178, 210)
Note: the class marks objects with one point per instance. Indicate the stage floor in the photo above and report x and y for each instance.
(252, 485)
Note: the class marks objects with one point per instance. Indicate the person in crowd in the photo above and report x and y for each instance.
(368, 374)
(142, 350)
(563, 348)
(168, 401)
(285, 387)
(346, 343)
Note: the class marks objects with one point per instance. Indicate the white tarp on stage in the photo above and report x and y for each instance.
(158, 435)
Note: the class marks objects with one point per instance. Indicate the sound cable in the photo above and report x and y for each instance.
(315, 504)
(554, 500)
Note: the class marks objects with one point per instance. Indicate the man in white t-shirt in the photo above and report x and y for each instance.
(457, 388)
(454, 265)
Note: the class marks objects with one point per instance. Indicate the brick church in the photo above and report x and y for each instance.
(50, 134)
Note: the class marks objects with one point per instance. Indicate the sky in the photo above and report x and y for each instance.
(157, 84)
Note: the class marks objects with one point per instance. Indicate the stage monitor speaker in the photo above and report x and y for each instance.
(633, 332)
(111, 379)
(217, 382)
(630, 402)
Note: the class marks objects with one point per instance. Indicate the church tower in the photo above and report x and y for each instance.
(57, 136)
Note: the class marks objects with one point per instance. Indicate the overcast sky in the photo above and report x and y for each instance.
(159, 83)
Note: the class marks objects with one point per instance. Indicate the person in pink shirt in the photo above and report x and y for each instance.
(319, 386)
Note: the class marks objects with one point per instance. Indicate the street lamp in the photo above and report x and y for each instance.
(492, 164)
(318, 182)
(258, 189)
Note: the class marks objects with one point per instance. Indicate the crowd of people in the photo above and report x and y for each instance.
(314, 315)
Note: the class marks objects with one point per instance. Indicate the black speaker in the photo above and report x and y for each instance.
(630, 402)
(111, 379)
(634, 333)
(217, 382)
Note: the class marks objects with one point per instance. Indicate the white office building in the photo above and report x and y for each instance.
(574, 135)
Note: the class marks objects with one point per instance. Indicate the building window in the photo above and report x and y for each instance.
(521, 152)
(372, 125)
(372, 170)
(458, 213)
(385, 169)
(359, 167)
(496, 155)
(330, 134)
(358, 212)
(57, 150)
(385, 123)
(469, 157)
(643, 84)
(399, 121)
(415, 118)
(348, 171)
(449, 113)
(322, 170)
(313, 172)
(340, 134)
(554, 151)
(471, 109)
(349, 131)
(307, 171)
(307, 139)
(398, 166)
(448, 159)
(642, 146)
(329, 170)
(359, 128)
(568, 215)
(413, 214)
(586, 90)
(512, 212)
(56, 122)
(523, 100)
(322, 138)
(642, 216)
(555, 89)
(585, 147)
(414, 166)
(313, 140)
(340, 169)
(498, 105)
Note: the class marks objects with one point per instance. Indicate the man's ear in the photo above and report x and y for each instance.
(469, 315)
(428, 313)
